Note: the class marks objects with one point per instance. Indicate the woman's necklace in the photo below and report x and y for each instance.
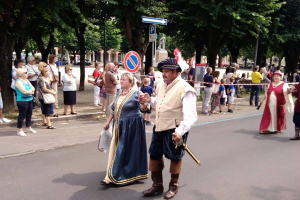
(124, 93)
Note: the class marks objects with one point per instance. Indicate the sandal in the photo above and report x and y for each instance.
(55, 115)
(51, 127)
(44, 124)
(73, 113)
(105, 183)
(65, 113)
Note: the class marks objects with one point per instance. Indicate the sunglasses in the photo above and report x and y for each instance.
(25, 73)
(70, 69)
(33, 60)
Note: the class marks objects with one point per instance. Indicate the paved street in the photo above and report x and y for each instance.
(237, 163)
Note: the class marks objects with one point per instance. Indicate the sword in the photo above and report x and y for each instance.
(187, 149)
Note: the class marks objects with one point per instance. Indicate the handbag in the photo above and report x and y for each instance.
(48, 98)
(215, 88)
(54, 78)
(99, 81)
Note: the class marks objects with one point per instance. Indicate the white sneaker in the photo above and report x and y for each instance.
(31, 130)
(5, 120)
(21, 133)
(56, 107)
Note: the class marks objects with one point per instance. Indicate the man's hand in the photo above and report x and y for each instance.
(176, 137)
(144, 98)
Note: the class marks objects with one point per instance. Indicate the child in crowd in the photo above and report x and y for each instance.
(151, 76)
(147, 89)
(222, 95)
(230, 92)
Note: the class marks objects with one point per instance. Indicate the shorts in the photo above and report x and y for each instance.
(1, 102)
(230, 99)
(149, 108)
(192, 71)
(222, 101)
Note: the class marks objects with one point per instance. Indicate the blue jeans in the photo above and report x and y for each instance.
(255, 90)
(51, 108)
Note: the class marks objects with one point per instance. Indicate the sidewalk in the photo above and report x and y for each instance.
(72, 132)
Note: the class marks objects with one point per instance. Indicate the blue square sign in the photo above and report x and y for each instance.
(152, 29)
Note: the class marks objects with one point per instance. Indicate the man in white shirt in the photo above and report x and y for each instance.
(32, 71)
(176, 112)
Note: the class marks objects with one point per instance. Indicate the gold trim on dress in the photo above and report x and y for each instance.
(118, 111)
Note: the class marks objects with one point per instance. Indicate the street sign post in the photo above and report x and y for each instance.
(132, 61)
(152, 33)
(152, 20)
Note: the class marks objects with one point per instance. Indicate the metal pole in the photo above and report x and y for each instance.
(256, 51)
(104, 54)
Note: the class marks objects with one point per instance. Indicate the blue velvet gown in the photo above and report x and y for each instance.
(128, 151)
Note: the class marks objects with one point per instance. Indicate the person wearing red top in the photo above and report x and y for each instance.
(97, 73)
(296, 118)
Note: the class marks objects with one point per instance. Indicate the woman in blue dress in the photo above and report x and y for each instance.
(127, 159)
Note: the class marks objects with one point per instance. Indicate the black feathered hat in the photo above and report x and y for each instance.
(169, 63)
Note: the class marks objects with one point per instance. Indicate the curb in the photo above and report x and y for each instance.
(56, 119)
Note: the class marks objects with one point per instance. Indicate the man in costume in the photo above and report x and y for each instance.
(296, 118)
(175, 114)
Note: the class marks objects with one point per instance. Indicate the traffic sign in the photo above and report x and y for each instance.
(152, 33)
(132, 61)
(152, 20)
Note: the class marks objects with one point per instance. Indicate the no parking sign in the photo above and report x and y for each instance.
(132, 61)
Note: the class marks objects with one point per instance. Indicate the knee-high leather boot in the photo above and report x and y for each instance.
(156, 167)
(175, 169)
(296, 137)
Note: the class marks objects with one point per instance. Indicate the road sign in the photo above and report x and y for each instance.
(132, 61)
(152, 20)
(152, 33)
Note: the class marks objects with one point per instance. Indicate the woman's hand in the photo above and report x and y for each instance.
(53, 92)
(106, 126)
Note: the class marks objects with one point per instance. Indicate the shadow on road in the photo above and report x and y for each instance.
(275, 193)
(94, 190)
(258, 136)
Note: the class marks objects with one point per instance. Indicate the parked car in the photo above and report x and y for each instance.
(64, 62)
(87, 62)
(241, 66)
(249, 65)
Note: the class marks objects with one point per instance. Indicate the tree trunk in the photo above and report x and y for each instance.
(199, 48)
(292, 54)
(270, 60)
(245, 65)
(220, 61)
(234, 51)
(6, 51)
(80, 37)
(212, 58)
(19, 46)
(262, 53)
(11, 24)
(40, 43)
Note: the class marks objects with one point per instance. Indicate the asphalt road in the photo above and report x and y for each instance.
(237, 164)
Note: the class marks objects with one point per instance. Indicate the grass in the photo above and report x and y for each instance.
(11, 116)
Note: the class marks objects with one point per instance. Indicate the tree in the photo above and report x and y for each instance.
(13, 16)
(215, 21)
(129, 15)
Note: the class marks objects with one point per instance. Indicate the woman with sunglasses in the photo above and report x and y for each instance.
(69, 89)
(25, 92)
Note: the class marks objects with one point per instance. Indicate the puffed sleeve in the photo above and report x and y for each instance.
(288, 98)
